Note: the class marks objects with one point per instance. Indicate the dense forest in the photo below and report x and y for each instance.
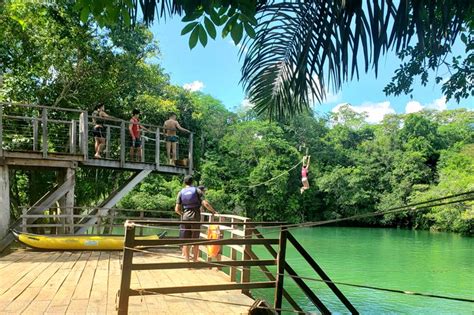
(49, 56)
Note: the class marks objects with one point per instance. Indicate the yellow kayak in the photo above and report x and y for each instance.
(76, 242)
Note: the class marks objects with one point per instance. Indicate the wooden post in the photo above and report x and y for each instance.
(124, 292)
(122, 144)
(44, 122)
(112, 218)
(73, 135)
(107, 143)
(1, 130)
(280, 270)
(157, 148)
(4, 201)
(245, 275)
(24, 220)
(233, 254)
(35, 134)
(143, 149)
(85, 135)
(190, 153)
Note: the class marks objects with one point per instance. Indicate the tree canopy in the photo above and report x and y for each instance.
(296, 50)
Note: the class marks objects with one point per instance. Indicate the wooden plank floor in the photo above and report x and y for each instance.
(33, 282)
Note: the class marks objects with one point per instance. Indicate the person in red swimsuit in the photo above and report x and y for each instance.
(304, 173)
(134, 128)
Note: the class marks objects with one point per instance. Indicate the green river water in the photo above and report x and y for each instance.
(418, 261)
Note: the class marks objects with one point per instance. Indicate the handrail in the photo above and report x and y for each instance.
(74, 137)
(284, 266)
(132, 244)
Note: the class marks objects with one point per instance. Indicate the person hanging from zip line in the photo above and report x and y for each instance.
(134, 128)
(188, 206)
(304, 173)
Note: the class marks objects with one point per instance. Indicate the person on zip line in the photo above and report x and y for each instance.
(304, 173)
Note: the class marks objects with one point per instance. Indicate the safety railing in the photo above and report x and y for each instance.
(53, 131)
(249, 237)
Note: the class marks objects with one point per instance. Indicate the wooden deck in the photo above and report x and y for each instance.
(33, 282)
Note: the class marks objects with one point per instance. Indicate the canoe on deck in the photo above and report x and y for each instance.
(76, 242)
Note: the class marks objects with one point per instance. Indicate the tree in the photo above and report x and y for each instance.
(296, 48)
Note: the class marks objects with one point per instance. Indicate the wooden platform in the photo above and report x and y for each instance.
(34, 282)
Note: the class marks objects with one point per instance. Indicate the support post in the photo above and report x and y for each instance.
(157, 148)
(35, 134)
(190, 153)
(44, 122)
(143, 149)
(85, 134)
(1, 130)
(233, 253)
(4, 200)
(66, 203)
(124, 293)
(122, 144)
(24, 220)
(107, 143)
(245, 275)
(73, 141)
(280, 270)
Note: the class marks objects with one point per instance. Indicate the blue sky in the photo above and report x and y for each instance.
(215, 70)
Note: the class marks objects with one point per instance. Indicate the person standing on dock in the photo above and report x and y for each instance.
(188, 206)
(134, 128)
(170, 126)
(98, 131)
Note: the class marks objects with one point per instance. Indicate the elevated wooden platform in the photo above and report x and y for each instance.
(87, 283)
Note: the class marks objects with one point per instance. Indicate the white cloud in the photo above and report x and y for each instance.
(245, 104)
(194, 86)
(374, 111)
(438, 104)
(332, 98)
(415, 106)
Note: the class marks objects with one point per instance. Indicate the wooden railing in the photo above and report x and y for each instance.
(248, 259)
(52, 131)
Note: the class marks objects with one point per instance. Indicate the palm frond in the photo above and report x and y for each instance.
(301, 45)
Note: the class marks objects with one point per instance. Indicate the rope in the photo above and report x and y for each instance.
(271, 179)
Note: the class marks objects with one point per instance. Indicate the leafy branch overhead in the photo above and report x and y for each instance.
(295, 50)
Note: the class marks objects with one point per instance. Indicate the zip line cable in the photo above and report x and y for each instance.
(271, 179)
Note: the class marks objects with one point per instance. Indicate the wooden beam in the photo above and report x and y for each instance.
(1, 130)
(190, 153)
(115, 197)
(270, 277)
(127, 261)
(245, 274)
(4, 200)
(51, 197)
(122, 144)
(280, 271)
(107, 142)
(322, 274)
(303, 286)
(44, 123)
(157, 148)
(202, 288)
(35, 134)
(204, 264)
(179, 241)
(35, 163)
